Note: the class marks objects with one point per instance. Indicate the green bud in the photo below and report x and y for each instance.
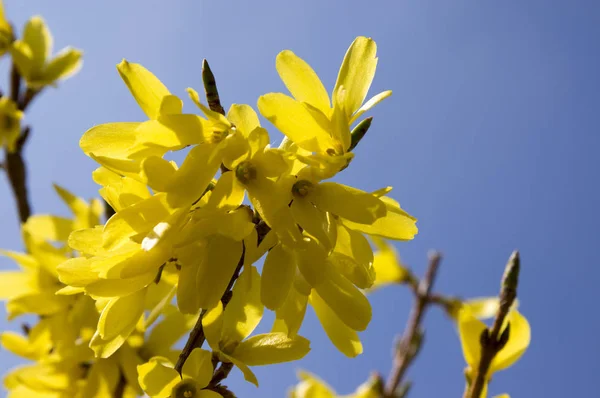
(359, 132)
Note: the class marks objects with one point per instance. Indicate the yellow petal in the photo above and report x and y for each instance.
(353, 257)
(121, 315)
(168, 331)
(370, 104)
(344, 338)
(156, 379)
(312, 261)
(311, 386)
(387, 265)
(84, 216)
(314, 221)
(278, 276)
(14, 283)
(349, 303)
(215, 271)
(170, 105)
(66, 63)
(470, 329)
(129, 360)
(245, 310)
(49, 227)
(396, 224)
(199, 366)
(114, 140)
(39, 39)
(87, 241)
(188, 300)
(302, 81)
(77, 272)
(120, 287)
(289, 317)
(356, 73)
(348, 203)
(171, 132)
(270, 348)
(212, 324)
(248, 374)
(294, 120)
(44, 303)
(137, 219)
(190, 181)
(228, 194)
(518, 341)
(243, 117)
(482, 308)
(22, 57)
(158, 172)
(147, 90)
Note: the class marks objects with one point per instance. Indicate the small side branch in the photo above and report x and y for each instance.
(408, 346)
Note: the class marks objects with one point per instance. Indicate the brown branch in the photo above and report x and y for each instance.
(410, 343)
(494, 339)
(14, 164)
(220, 374)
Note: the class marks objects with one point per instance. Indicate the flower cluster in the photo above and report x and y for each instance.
(468, 316)
(31, 57)
(185, 240)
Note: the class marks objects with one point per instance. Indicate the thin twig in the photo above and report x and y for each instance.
(220, 374)
(14, 165)
(494, 339)
(410, 342)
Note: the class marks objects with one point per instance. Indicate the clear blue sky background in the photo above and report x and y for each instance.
(491, 139)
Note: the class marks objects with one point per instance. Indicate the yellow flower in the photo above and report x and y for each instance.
(10, 124)
(311, 386)
(387, 265)
(6, 33)
(159, 380)
(227, 331)
(311, 119)
(32, 54)
(470, 329)
(56, 228)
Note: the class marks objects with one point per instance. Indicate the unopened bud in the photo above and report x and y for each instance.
(359, 132)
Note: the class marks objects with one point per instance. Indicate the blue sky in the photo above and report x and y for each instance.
(490, 139)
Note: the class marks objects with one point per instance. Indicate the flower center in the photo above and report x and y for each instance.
(302, 188)
(245, 172)
(185, 389)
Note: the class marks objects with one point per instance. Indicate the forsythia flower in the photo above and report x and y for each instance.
(311, 386)
(470, 328)
(181, 232)
(227, 331)
(32, 54)
(311, 119)
(10, 123)
(159, 380)
(6, 33)
(387, 265)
